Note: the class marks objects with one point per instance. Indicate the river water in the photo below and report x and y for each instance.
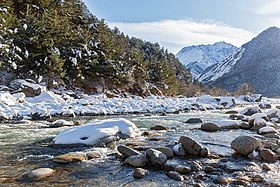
(25, 147)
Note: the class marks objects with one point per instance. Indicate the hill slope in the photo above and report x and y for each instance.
(61, 43)
(256, 63)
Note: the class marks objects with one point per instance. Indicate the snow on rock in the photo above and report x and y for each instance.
(7, 98)
(228, 124)
(91, 133)
(227, 101)
(256, 116)
(207, 99)
(273, 113)
(259, 121)
(267, 129)
(47, 97)
(248, 111)
(30, 88)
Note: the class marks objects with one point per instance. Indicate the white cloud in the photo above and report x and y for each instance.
(270, 7)
(176, 34)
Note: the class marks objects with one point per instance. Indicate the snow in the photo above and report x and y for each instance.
(227, 123)
(47, 97)
(274, 112)
(207, 99)
(259, 121)
(257, 115)
(7, 98)
(20, 83)
(198, 58)
(91, 133)
(221, 68)
(267, 129)
(252, 108)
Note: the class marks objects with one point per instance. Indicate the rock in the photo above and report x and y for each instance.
(159, 128)
(28, 87)
(196, 166)
(257, 178)
(126, 151)
(245, 144)
(156, 157)
(140, 173)
(40, 173)
(194, 120)
(182, 169)
(179, 150)
(93, 155)
(239, 182)
(228, 124)
(210, 127)
(77, 123)
(249, 111)
(231, 112)
(266, 130)
(265, 106)
(254, 155)
(168, 166)
(61, 123)
(204, 152)
(149, 133)
(68, 158)
(266, 167)
(177, 112)
(136, 160)
(268, 155)
(38, 116)
(174, 175)
(245, 125)
(222, 180)
(166, 150)
(191, 146)
(209, 169)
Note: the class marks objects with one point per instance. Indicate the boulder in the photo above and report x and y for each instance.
(68, 158)
(210, 127)
(194, 120)
(251, 110)
(61, 123)
(179, 150)
(268, 155)
(136, 160)
(40, 173)
(228, 124)
(174, 175)
(267, 129)
(182, 169)
(191, 146)
(245, 125)
(245, 144)
(166, 150)
(28, 87)
(156, 157)
(126, 151)
(140, 173)
(159, 128)
(231, 112)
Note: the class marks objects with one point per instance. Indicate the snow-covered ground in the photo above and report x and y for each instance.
(49, 103)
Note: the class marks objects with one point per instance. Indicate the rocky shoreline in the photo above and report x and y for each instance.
(186, 160)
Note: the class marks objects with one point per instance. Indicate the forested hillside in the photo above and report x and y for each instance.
(61, 43)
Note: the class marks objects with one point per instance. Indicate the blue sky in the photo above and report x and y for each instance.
(178, 23)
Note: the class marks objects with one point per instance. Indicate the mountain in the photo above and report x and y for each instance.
(199, 57)
(256, 63)
(62, 44)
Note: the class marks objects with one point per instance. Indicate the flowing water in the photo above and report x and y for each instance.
(25, 147)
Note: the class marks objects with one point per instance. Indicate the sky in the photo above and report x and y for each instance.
(179, 23)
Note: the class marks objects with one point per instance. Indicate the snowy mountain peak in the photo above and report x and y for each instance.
(197, 58)
(257, 63)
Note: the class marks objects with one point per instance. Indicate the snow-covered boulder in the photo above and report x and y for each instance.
(20, 97)
(91, 133)
(252, 118)
(30, 89)
(7, 98)
(273, 113)
(227, 101)
(47, 97)
(228, 124)
(207, 99)
(39, 113)
(267, 129)
(248, 111)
